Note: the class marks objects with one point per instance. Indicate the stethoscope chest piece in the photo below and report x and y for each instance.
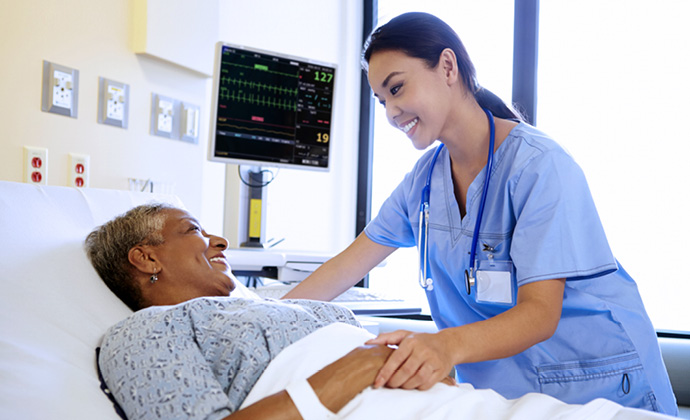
(427, 284)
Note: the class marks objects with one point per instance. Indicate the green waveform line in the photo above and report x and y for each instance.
(261, 68)
(277, 90)
(238, 127)
(266, 101)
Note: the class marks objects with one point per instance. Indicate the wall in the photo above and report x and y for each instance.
(310, 210)
(95, 37)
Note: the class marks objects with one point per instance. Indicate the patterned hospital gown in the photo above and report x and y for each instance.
(200, 359)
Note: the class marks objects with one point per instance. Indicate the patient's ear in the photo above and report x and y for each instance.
(142, 258)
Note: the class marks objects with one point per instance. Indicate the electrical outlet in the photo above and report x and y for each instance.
(113, 103)
(189, 126)
(163, 118)
(36, 165)
(78, 170)
(60, 89)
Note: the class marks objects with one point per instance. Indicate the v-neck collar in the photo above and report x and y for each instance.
(465, 225)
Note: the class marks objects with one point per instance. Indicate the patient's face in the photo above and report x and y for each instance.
(192, 261)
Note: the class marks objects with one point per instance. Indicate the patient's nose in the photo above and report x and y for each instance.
(218, 241)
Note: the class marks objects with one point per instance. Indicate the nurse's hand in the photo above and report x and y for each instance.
(420, 361)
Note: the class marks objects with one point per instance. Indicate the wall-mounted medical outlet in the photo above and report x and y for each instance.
(60, 89)
(189, 124)
(36, 165)
(78, 170)
(164, 120)
(113, 102)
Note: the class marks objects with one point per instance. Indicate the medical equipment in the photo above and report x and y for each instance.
(425, 280)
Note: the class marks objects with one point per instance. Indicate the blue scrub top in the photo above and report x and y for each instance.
(540, 215)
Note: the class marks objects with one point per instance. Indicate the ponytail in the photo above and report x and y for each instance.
(487, 99)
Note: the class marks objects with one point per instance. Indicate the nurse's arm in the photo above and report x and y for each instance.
(423, 359)
(532, 320)
(342, 271)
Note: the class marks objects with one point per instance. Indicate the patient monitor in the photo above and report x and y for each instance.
(269, 110)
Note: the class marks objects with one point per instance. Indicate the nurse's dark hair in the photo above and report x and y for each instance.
(424, 36)
(108, 245)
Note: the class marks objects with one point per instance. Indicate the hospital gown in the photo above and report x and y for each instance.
(540, 216)
(200, 359)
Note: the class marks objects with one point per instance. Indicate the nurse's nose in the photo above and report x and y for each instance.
(393, 113)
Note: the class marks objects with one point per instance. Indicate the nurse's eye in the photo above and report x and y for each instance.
(395, 89)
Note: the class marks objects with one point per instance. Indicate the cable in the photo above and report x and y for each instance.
(273, 176)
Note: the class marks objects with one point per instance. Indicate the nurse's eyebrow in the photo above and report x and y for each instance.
(389, 77)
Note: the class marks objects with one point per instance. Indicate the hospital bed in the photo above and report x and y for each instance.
(54, 307)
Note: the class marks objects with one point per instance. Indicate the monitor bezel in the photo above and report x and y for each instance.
(214, 112)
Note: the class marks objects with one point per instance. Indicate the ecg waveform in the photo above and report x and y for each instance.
(227, 94)
(250, 84)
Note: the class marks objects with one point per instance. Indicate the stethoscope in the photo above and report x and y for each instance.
(425, 280)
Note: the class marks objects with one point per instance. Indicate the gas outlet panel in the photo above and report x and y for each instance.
(113, 102)
(164, 118)
(60, 89)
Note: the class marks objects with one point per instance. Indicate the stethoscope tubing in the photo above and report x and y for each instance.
(487, 178)
(426, 281)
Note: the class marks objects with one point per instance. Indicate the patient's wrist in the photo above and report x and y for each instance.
(307, 402)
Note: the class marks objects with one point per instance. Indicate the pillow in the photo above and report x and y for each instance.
(54, 306)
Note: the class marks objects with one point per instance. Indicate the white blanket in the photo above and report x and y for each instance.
(308, 355)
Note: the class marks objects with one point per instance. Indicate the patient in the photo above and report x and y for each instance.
(200, 358)
(192, 350)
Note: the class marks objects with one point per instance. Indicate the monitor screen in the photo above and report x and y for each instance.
(270, 109)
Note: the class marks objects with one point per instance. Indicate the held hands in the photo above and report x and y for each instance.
(420, 361)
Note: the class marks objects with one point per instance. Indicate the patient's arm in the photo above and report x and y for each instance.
(335, 385)
(342, 271)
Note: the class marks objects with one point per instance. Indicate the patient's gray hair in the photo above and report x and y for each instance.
(108, 247)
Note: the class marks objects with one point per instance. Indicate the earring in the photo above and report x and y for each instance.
(154, 276)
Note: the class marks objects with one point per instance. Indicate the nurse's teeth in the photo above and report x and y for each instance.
(409, 125)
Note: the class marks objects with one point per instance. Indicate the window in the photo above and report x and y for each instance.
(613, 83)
(613, 88)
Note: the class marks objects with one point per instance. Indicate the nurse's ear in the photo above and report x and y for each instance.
(448, 64)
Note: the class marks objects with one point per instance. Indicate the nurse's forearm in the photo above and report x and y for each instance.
(342, 271)
(532, 320)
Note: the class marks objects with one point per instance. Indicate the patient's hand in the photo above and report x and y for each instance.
(342, 380)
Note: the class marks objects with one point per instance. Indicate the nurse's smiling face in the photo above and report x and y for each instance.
(416, 97)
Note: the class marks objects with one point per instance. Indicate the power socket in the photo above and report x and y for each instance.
(78, 170)
(36, 165)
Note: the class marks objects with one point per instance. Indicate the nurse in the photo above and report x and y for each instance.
(517, 270)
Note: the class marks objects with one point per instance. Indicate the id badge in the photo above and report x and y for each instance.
(495, 282)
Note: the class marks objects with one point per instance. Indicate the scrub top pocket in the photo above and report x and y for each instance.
(619, 378)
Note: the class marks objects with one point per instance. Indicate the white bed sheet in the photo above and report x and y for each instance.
(308, 355)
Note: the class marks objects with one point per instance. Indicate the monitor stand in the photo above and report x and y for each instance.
(253, 179)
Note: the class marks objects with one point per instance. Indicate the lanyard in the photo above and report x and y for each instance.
(425, 280)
